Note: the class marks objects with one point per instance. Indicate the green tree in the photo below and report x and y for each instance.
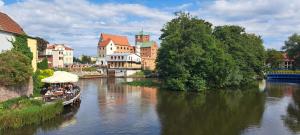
(43, 64)
(76, 60)
(86, 59)
(20, 45)
(274, 58)
(292, 47)
(190, 58)
(247, 50)
(15, 68)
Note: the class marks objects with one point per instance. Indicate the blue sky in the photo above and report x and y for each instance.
(79, 23)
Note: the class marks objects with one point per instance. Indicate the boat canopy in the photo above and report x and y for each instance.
(61, 77)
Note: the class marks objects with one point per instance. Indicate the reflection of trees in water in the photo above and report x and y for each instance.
(292, 120)
(52, 124)
(226, 113)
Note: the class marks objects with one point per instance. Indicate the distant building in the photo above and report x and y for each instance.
(148, 50)
(61, 55)
(287, 63)
(109, 44)
(9, 29)
(123, 64)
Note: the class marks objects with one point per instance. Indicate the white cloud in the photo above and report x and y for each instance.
(1, 3)
(274, 20)
(79, 23)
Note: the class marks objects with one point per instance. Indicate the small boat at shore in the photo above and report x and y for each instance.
(61, 87)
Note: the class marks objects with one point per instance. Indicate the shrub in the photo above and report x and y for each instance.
(15, 68)
(33, 114)
(37, 77)
(43, 64)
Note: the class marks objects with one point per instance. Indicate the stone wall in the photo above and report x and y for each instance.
(16, 91)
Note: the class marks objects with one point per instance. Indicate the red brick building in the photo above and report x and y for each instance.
(148, 50)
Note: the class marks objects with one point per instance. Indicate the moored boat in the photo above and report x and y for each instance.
(61, 86)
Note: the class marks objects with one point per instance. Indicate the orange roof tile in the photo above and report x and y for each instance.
(104, 43)
(118, 40)
(53, 47)
(9, 25)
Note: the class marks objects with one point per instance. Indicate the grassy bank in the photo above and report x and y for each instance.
(23, 111)
(146, 83)
(142, 74)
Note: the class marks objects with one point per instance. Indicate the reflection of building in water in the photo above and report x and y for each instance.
(277, 89)
(119, 93)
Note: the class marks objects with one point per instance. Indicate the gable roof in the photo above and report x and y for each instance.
(104, 43)
(7, 24)
(53, 46)
(118, 40)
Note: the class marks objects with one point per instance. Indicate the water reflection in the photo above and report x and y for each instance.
(127, 109)
(292, 119)
(110, 107)
(226, 113)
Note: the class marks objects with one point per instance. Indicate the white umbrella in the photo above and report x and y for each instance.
(61, 77)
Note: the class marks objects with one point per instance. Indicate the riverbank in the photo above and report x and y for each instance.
(23, 111)
(144, 82)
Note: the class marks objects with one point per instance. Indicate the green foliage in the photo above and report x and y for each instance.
(274, 58)
(86, 59)
(147, 83)
(20, 45)
(292, 47)
(43, 64)
(24, 111)
(247, 51)
(37, 77)
(190, 58)
(15, 68)
(89, 69)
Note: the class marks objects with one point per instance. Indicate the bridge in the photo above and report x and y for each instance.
(280, 76)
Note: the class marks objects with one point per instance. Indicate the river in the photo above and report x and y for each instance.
(109, 107)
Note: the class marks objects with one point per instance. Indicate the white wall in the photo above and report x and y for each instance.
(5, 43)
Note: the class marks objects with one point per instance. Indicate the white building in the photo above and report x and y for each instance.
(110, 44)
(123, 64)
(62, 55)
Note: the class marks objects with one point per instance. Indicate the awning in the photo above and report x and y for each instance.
(61, 77)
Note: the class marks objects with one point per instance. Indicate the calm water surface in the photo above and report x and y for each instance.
(109, 107)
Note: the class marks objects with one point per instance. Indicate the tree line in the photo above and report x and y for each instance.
(196, 56)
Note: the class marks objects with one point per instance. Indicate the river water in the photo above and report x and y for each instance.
(109, 107)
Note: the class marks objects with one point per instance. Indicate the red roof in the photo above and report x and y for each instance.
(118, 40)
(53, 47)
(286, 57)
(9, 25)
(104, 43)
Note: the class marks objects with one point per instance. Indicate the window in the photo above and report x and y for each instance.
(60, 58)
(111, 48)
(111, 57)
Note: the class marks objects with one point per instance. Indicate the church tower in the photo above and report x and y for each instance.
(142, 37)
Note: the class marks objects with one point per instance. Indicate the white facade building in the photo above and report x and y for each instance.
(62, 55)
(5, 39)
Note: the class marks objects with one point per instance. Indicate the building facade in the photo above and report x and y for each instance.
(110, 44)
(287, 63)
(123, 64)
(148, 50)
(61, 55)
(9, 29)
